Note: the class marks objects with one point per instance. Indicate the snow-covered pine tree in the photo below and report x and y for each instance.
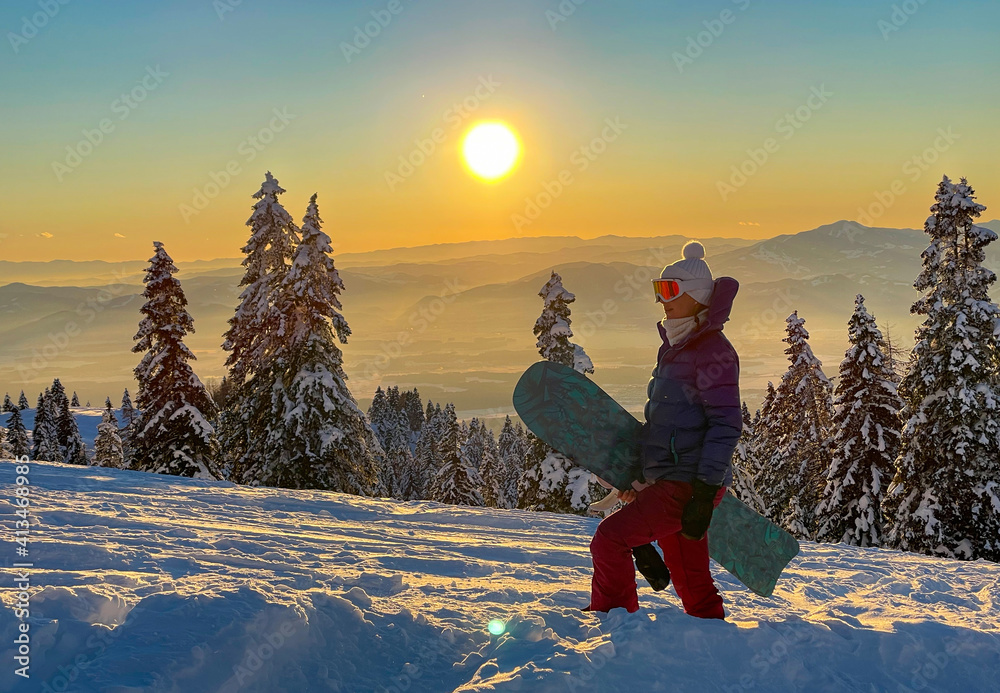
(414, 408)
(764, 439)
(553, 328)
(745, 467)
(17, 436)
(426, 462)
(316, 435)
(529, 485)
(45, 435)
(551, 482)
(6, 452)
(8, 405)
(22, 402)
(392, 397)
(500, 481)
(127, 429)
(255, 325)
(457, 481)
(70, 441)
(108, 450)
(379, 414)
(799, 421)
(399, 463)
(255, 328)
(865, 438)
(473, 443)
(945, 497)
(172, 434)
(75, 401)
(490, 465)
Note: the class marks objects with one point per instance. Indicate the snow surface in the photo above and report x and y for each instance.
(146, 582)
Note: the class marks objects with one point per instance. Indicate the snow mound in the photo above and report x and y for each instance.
(154, 583)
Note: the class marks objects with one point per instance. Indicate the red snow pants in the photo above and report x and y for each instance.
(655, 514)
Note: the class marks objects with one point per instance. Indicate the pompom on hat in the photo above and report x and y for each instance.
(692, 266)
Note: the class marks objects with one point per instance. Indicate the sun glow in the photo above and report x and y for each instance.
(491, 150)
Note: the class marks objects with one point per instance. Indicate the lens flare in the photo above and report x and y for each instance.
(496, 626)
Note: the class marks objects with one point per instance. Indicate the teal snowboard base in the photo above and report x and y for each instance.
(572, 414)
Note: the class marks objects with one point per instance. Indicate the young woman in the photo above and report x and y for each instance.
(693, 421)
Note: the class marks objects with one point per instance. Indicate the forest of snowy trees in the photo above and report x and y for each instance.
(902, 453)
(899, 455)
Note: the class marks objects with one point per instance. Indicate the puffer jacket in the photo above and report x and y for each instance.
(693, 413)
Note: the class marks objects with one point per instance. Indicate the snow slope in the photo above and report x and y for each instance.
(154, 583)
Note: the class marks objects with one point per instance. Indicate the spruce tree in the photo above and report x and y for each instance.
(7, 404)
(75, 402)
(413, 406)
(314, 434)
(255, 327)
(71, 446)
(108, 450)
(865, 438)
(22, 402)
(550, 481)
(553, 328)
(945, 496)
(17, 436)
(799, 421)
(745, 467)
(255, 330)
(457, 481)
(399, 463)
(45, 435)
(127, 429)
(172, 434)
(379, 415)
(500, 481)
(426, 462)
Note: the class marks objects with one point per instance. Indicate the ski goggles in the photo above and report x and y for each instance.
(666, 290)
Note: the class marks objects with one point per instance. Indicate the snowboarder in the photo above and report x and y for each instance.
(693, 421)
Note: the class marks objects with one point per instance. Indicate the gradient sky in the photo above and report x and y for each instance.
(349, 122)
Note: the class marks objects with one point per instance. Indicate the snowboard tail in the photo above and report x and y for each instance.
(575, 416)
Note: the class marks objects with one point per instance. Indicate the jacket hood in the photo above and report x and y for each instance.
(719, 308)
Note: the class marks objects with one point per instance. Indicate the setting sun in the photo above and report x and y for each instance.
(491, 150)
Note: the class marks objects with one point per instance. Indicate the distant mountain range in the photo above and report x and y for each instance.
(455, 319)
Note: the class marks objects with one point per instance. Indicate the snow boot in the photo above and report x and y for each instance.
(650, 564)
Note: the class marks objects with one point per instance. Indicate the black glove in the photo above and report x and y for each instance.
(649, 563)
(698, 512)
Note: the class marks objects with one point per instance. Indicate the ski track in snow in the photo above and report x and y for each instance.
(153, 583)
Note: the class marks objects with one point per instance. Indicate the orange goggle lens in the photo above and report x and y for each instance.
(666, 289)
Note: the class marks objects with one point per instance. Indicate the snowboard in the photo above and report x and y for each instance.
(572, 414)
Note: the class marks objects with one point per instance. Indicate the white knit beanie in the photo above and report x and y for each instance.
(692, 266)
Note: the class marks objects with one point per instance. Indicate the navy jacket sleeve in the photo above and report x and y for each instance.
(718, 383)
